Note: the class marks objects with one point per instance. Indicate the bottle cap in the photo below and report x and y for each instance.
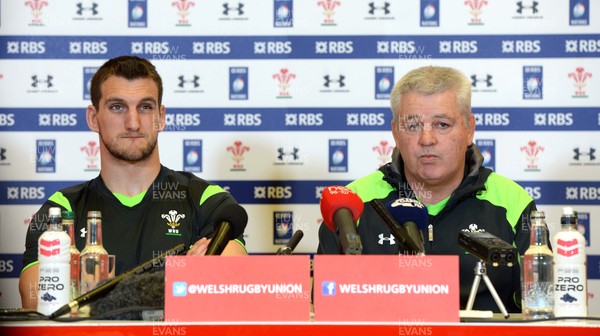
(568, 211)
(54, 212)
(537, 214)
(569, 216)
(94, 214)
(67, 214)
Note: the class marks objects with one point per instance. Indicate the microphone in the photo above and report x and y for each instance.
(102, 289)
(133, 298)
(414, 218)
(341, 208)
(231, 222)
(291, 245)
(399, 232)
(415, 234)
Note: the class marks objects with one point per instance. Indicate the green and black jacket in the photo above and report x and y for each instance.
(177, 208)
(483, 201)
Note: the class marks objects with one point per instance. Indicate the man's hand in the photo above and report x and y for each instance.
(199, 247)
(233, 248)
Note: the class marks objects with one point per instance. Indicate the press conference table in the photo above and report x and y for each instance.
(130, 328)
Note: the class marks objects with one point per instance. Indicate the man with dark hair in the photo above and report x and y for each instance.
(436, 162)
(146, 207)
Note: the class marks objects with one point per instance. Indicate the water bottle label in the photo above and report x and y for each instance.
(570, 285)
(53, 287)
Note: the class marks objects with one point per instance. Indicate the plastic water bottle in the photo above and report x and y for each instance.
(54, 269)
(68, 219)
(538, 279)
(570, 273)
(93, 258)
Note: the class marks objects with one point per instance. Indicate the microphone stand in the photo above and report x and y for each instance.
(481, 272)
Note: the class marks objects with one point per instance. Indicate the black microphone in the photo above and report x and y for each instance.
(417, 235)
(230, 224)
(291, 245)
(341, 208)
(104, 288)
(414, 218)
(133, 298)
(398, 231)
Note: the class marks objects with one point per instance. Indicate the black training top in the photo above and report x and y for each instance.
(177, 208)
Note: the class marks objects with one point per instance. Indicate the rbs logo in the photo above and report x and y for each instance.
(492, 119)
(243, 119)
(273, 47)
(57, 119)
(6, 266)
(534, 192)
(7, 119)
(273, 192)
(212, 48)
(334, 47)
(183, 119)
(365, 119)
(150, 47)
(521, 46)
(88, 47)
(589, 46)
(26, 47)
(25, 193)
(553, 119)
(458, 47)
(279, 192)
(304, 119)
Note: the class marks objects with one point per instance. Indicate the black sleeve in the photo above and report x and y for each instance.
(209, 210)
(37, 226)
(329, 242)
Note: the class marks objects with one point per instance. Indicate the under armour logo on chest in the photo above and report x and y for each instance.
(383, 238)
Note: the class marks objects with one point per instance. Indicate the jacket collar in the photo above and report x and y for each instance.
(393, 172)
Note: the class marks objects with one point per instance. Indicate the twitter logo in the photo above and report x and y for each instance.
(180, 288)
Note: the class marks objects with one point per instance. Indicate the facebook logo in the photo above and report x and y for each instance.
(328, 288)
(180, 288)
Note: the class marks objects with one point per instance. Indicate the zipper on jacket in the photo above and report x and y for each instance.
(430, 232)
